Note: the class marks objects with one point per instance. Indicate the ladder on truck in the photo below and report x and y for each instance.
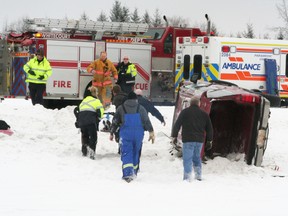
(97, 27)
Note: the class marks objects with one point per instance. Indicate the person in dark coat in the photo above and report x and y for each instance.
(133, 121)
(195, 123)
(126, 75)
(118, 99)
(118, 96)
(88, 116)
(149, 106)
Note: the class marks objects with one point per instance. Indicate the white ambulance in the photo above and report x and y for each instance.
(254, 64)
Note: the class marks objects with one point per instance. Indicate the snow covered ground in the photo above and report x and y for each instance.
(43, 172)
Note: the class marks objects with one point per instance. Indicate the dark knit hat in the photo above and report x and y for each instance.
(40, 52)
(132, 95)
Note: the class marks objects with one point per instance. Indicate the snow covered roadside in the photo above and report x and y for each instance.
(43, 172)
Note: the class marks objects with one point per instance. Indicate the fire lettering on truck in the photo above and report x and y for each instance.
(241, 66)
(61, 84)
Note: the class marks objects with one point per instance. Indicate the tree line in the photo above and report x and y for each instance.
(119, 13)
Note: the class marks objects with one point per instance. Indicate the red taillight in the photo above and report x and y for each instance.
(180, 40)
(225, 49)
(250, 98)
(206, 39)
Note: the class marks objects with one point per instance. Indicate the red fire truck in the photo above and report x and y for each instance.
(70, 46)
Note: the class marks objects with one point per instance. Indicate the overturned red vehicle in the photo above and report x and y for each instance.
(239, 117)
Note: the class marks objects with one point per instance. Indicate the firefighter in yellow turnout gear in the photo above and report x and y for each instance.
(38, 71)
(102, 69)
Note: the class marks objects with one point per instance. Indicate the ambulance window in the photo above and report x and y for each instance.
(286, 69)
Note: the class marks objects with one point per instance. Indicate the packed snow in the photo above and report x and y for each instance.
(44, 173)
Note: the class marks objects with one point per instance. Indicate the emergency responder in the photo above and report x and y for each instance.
(38, 71)
(126, 75)
(133, 121)
(101, 69)
(88, 115)
(195, 124)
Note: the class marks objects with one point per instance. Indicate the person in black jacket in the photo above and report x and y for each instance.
(149, 106)
(126, 75)
(118, 99)
(118, 96)
(88, 115)
(195, 123)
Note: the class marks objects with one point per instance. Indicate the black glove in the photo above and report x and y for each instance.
(41, 77)
(208, 145)
(31, 72)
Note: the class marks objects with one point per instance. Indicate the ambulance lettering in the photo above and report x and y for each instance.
(241, 66)
(61, 84)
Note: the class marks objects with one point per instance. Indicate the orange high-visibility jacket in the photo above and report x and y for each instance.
(103, 71)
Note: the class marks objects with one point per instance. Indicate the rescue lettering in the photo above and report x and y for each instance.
(61, 84)
(241, 66)
(142, 86)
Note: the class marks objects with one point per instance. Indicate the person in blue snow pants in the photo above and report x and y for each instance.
(133, 120)
(131, 136)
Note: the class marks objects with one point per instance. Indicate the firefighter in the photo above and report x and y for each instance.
(38, 71)
(133, 121)
(88, 115)
(102, 69)
(126, 75)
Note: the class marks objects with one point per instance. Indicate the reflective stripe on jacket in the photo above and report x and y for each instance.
(42, 68)
(126, 73)
(90, 111)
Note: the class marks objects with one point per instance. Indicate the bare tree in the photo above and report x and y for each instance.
(178, 21)
(18, 26)
(283, 13)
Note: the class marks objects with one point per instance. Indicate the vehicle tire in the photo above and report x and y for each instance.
(221, 82)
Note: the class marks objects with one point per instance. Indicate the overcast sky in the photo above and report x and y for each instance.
(230, 17)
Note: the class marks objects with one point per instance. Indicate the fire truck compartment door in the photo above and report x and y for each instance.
(65, 58)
